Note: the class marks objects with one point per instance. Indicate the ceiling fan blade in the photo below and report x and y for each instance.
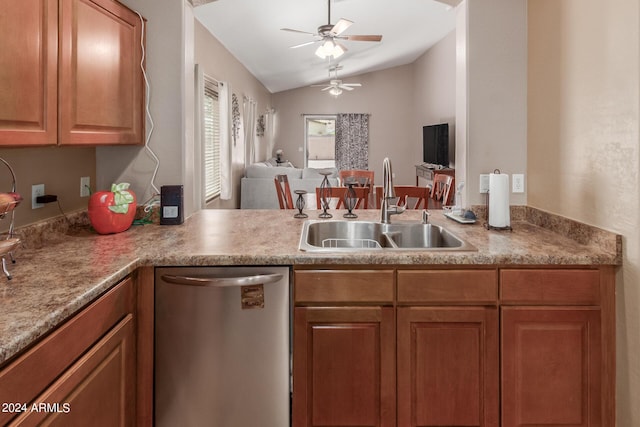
(302, 44)
(297, 31)
(352, 84)
(340, 27)
(326, 88)
(363, 38)
(345, 87)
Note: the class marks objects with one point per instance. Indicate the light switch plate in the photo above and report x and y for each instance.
(36, 190)
(517, 183)
(85, 186)
(484, 183)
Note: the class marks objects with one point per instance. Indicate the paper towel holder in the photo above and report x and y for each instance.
(486, 224)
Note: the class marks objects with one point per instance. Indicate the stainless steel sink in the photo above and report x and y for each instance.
(368, 235)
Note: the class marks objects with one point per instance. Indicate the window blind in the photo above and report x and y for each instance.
(211, 141)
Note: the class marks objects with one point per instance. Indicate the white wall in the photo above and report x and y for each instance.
(583, 148)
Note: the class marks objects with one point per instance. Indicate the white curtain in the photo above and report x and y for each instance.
(269, 132)
(249, 110)
(198, 168)
(226, 130)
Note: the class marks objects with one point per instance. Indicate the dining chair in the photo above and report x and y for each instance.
(441, 193)
(338, 193)
(358, 176)
(283, 191)
(415, 197)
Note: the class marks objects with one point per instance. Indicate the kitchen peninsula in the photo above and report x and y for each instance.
(548, 266)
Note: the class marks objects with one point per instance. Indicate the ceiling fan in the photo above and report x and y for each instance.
(335, 85)
(329, 34)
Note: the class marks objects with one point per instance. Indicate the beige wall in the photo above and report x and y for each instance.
(167, 48)
(218, 63)
(386, 95)
(58, 168)
(496, 92)
(400, 100)
(583, 137)
(435, 88)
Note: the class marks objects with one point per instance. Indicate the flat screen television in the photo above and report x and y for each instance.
(435, 144)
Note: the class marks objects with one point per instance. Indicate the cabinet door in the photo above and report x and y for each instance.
(344, 367)
(551, 365)
(448, 366)
(98, 390)
(101, 84)
(28, 72)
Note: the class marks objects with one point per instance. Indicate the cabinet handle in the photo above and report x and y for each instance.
(220, 282)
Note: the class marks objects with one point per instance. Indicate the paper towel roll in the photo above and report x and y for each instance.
(499, 200)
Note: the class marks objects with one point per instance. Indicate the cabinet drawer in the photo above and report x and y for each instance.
(334, 286)
(571, 286)
(448, 286)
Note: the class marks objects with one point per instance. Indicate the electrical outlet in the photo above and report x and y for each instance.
(36, 190)
(484, 183)
(85, 186)
(517, 183)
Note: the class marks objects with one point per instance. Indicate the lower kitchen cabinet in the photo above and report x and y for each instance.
(97, 390)
(448, 366)
(551, 362)
(344, 367)
(558, 347)
(83, 373)
(488, 346)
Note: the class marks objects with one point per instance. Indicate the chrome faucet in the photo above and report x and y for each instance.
(389, 206)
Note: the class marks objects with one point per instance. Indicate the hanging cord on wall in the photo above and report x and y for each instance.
(152, 201)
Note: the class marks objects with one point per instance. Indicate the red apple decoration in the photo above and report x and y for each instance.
(112, 211)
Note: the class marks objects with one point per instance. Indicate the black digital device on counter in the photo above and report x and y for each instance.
(171, 205)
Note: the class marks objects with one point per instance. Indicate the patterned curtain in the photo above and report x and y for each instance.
(352, 141)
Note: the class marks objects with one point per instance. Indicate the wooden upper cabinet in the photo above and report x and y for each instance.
(28, 72)
(70, 73)
(101, 82)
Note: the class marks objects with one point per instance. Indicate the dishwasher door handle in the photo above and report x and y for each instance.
(221, 282)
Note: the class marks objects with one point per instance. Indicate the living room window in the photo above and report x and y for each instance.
(212, 181)
(320, 141)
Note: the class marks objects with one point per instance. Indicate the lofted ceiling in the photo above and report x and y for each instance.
(250, 30)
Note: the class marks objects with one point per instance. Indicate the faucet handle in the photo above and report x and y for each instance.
(425, 216)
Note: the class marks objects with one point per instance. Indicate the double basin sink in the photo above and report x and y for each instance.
(320, 236)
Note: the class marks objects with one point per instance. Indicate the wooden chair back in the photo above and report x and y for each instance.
(415, 197)
(360, 177)
(283, 191)
(339, 193)
(441, 191)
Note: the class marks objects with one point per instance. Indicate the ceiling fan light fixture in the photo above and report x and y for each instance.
(335, 91)
(329, 48)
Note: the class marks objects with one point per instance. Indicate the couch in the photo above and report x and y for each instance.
(258, 191)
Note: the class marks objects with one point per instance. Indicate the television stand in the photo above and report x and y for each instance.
(427, 173)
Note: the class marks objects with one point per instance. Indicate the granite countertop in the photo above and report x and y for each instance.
(57, 273)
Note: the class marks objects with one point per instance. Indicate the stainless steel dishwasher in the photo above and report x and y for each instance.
(222, 347)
